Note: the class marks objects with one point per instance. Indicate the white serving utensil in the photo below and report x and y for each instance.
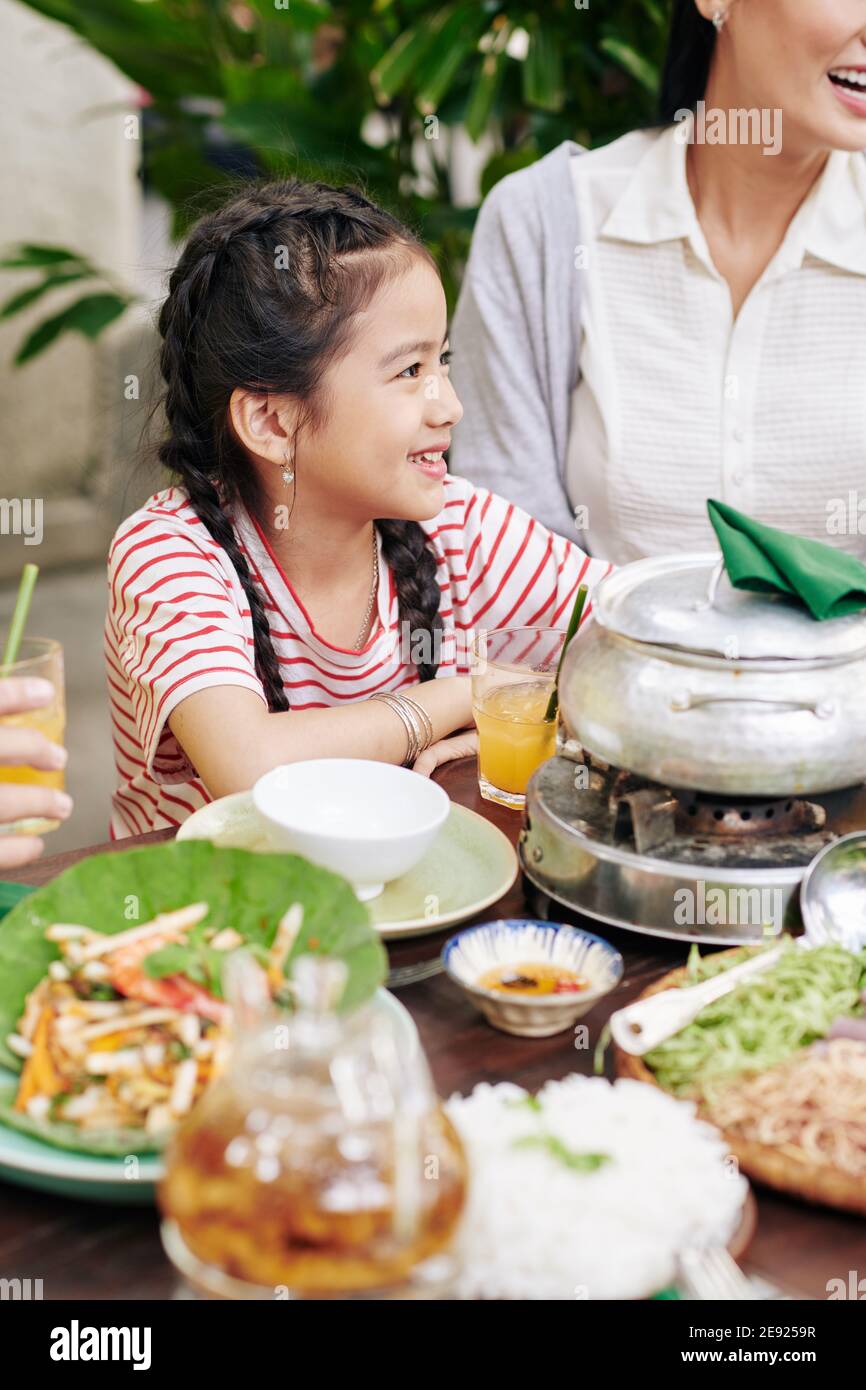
(641, 1026)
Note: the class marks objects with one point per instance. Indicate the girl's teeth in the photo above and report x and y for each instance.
(851, 75)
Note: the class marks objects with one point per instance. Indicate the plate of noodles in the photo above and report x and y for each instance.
(779, 1066)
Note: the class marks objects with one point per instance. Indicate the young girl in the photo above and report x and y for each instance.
(314, 552)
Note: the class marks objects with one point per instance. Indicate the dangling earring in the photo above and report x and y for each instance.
(288, 470)
(719, 18)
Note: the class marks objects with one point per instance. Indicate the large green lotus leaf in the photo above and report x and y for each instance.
(247, 891)
(106, 1143)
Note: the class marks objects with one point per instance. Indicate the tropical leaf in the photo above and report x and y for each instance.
(456, 41)
(485, 88)
(638, 67)
(88, 316)
(24, 298)
(402, 57)
(241, 87)
(543, 78)
(31, 254)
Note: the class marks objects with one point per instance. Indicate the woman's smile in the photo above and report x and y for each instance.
(849, 85)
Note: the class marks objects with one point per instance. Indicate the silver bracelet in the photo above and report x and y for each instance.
(407, 719)
(408, 708)
(424, 717)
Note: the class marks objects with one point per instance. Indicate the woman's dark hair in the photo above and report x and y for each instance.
(691, 43)
(262, 299)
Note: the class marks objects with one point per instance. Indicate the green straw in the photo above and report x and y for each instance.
(574, 623)
(19, 617)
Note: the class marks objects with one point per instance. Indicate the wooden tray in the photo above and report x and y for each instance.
(812, 1182)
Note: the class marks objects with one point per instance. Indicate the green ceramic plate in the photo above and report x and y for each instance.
(130, 1180)
(470, 866)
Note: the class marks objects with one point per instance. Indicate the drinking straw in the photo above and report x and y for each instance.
(19, 617)
(573, 624)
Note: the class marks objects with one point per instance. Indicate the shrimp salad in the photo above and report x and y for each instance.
(128, 1028)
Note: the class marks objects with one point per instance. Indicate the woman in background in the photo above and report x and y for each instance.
(667, 319)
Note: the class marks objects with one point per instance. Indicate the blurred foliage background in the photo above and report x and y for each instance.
(367, 91)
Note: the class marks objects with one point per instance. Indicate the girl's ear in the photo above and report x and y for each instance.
(265, 424)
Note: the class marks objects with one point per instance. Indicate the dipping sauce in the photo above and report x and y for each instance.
(533, 978)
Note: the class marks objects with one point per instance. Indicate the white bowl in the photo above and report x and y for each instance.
(369, 821)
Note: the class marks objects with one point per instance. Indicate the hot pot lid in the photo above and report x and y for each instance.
(687, 602)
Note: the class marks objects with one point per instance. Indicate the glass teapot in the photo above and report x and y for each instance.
(319, 1163)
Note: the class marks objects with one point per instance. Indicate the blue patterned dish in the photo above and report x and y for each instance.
(522, 941)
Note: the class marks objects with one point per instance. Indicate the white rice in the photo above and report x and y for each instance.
(536, 1229)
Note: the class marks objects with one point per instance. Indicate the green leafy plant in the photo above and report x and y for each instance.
(363, 90)
(56, 267)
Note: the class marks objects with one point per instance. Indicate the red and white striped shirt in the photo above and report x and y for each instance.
(178, 621)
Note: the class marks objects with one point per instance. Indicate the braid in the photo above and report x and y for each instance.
(186, 455)
(413, 565)
(205, 500)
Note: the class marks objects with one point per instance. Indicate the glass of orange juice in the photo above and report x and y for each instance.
(43, 657)
(513, 672)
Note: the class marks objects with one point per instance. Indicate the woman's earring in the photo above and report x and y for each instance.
(288, 470)
(719, 18)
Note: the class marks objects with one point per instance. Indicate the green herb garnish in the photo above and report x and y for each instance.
(527, 1102)
(571, 1158)
(194, 960)
(102, 993)
(600, 1050)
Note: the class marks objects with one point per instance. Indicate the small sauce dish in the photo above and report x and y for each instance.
(531, 978)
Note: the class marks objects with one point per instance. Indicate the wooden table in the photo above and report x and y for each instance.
(88, 1251)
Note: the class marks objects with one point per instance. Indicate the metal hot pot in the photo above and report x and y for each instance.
(691, 683)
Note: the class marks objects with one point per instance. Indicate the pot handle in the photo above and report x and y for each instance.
(703, 604)
(682, 700)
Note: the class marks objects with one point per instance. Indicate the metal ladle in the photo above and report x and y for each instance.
(833, 894)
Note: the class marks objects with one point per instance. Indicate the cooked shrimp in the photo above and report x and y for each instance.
(172, 991)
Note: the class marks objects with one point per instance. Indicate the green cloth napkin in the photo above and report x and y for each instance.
(829, 582)
(11, 894)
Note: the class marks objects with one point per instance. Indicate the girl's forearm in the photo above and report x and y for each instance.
(260, 740)
(371, 728)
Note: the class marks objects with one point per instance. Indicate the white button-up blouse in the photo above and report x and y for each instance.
(677, 401)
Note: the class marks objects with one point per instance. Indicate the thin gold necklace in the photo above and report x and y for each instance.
(373, 591)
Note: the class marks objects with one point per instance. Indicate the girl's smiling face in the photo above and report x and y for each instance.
(387, 408)
(806, 58)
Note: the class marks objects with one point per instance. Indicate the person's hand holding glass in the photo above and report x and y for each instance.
(32, 756)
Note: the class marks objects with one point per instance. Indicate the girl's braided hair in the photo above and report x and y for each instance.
(235, 318)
